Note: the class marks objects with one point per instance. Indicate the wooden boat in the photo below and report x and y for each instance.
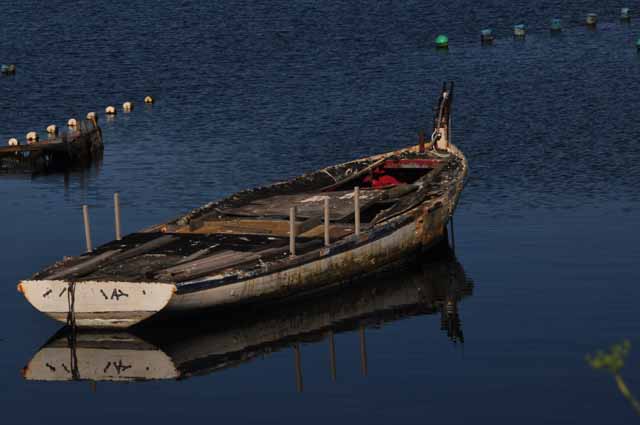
(217, 342)
(246, 248)
(72, 149)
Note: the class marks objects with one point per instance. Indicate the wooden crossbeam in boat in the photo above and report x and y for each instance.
(111, 257)
(85, 267)
(308, 205)
(144, 248)
(224, 260)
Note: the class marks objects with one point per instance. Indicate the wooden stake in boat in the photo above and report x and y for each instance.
(116, 212)
(327, 237)
(356, 209)
(87, 227)
(292, 231)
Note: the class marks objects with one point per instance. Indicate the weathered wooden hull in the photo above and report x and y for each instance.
(98, 305)
(58, 155)
(329, 266)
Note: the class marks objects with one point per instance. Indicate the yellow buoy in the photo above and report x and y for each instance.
(13, 142)
(72, 123)
(52, 129)
(110, 110)
(127, 106)
(148, 99)
(32, 137)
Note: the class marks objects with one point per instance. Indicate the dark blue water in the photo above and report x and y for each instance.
(250, 93)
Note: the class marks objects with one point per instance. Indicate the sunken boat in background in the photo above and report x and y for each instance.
(77, 148)
(349, 220)
(217, 342)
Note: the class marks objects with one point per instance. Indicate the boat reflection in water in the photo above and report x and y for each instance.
(184, 348)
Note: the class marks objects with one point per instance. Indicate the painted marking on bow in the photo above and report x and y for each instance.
(117, 293)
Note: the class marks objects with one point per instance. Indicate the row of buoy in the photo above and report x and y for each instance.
(520, 30)
(72, 123)
(126, 106)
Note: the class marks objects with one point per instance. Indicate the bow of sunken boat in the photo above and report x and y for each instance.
(78, 147)
(379, 211)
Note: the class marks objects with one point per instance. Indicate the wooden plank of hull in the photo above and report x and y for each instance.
(323, 271)
(98, 303)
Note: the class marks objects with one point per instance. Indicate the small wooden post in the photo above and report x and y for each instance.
(332, 356)
(356, 209)
(292, 231)
(87, 227)
(116, 212)
(363, 352)
(327, 237)
(421, 140)
(298, 362)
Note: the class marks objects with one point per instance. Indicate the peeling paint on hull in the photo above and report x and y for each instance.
(313, 275)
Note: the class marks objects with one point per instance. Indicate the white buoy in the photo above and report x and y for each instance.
(52, 130)
(148, 99)
(110, 110)
(13, 142)
(127, 106)
(92, 116)
(72, 123)
(32, 137)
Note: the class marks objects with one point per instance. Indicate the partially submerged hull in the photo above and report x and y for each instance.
(238, 250)
(76, 149)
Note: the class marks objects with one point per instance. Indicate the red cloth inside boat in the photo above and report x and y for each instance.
(381, 179)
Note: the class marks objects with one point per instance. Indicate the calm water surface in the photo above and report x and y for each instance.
(248, 93)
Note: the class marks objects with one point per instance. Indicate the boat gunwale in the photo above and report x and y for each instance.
(369, 235)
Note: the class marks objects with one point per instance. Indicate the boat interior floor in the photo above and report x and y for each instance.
(249, 233)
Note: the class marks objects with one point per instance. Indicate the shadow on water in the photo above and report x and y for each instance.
(190, 347)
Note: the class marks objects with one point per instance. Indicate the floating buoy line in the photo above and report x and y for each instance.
(520, 29)
(72, 123)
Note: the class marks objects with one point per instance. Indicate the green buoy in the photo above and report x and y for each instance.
(556, 25)
(442, 41)
(638, 44)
